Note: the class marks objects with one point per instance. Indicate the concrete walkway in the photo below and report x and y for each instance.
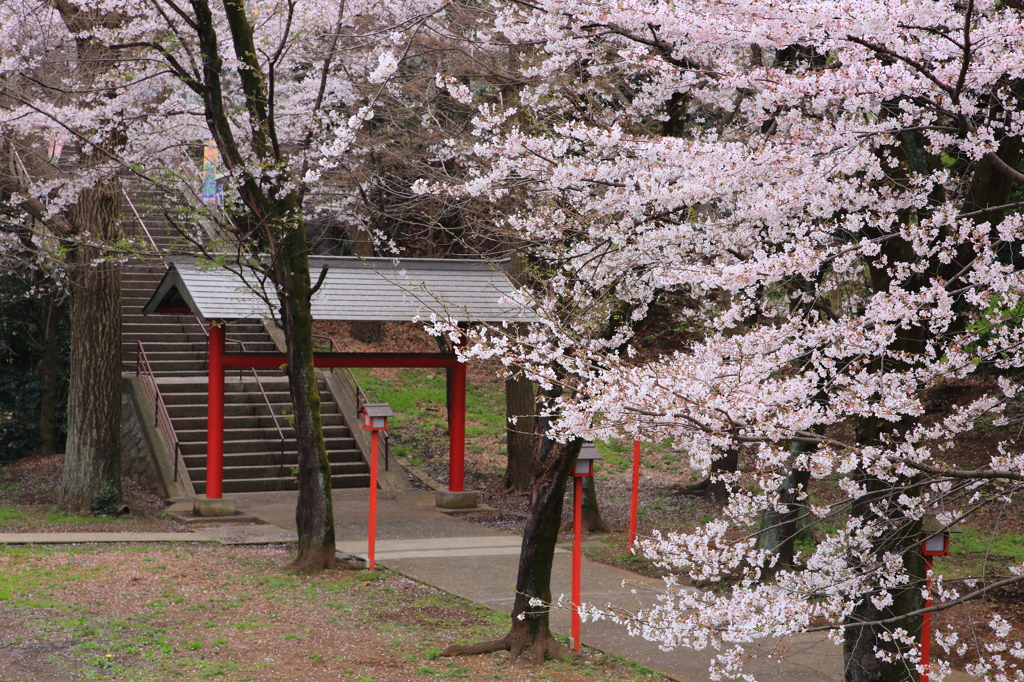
(480, 564)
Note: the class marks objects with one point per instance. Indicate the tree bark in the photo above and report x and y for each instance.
(779, 528)
(277, 210)
(719, 490)
(860, 642)
(92, 464)
(520, 402)
(314, 514)
(48, 376)
(520, 405)
(590, 513)
(530, 637)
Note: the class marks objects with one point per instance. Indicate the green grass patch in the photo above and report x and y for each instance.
(6, 514)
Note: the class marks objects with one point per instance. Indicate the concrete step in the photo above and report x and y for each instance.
(275, 471)
(147, 337)
(235, 396)
(272, 458)
(252, 421)
(177, 366)
(267, 484)
(247, 406)
(169, 355)
(332, 434)
(261, 445)
(152, 347)
(163, 329)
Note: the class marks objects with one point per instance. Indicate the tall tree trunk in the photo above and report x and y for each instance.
(779, 528)
(718, 490)
(48, 375)
(520, 406)
(314, 514)
(590, 513)
(92, 464)
(531, 637)
(860, 642)
(520, 401)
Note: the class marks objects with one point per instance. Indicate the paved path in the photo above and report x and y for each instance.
(225, 535)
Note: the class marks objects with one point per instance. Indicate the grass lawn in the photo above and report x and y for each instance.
(196, 612)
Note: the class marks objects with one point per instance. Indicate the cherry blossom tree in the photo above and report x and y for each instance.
(287, 90)
(75, 229)
(836, 188)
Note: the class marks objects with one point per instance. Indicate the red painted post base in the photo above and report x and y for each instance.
(634, 501)
(371, 536)
(577, 548)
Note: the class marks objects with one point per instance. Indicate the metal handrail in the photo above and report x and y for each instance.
(142, 224)
(266, 399)
(361, 398)
(162, 419)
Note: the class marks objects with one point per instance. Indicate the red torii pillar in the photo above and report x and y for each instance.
(219, 360)
(215, 413)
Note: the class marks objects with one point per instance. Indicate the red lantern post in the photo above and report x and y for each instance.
(373, 418)
(634, 502)
(584, 468)
(934, 542)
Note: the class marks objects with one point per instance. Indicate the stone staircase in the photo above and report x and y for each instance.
(256, 458)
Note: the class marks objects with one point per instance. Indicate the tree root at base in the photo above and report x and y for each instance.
(312, 563)
(531, 652)
(696, 489)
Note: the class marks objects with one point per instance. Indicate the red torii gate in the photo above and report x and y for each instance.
(354, 289)
(221, 360)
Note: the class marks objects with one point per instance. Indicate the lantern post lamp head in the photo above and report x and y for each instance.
(585, 461)
(934, 537)
(374, 416)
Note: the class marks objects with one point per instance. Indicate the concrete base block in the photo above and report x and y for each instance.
(203, 506)
(447, 499)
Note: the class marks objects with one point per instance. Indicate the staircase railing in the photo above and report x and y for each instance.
(141, 223)
(331, 346)
(259, 384)
(162, 419)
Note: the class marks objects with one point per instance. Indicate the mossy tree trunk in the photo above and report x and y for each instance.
(779, 527)
(275, 206)
(314, 514)
(520, 399)
(590, 512)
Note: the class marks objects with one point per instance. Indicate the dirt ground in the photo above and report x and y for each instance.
(196, 612)
(28, 500)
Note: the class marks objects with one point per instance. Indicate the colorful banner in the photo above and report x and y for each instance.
(211, 188)
(57, 140)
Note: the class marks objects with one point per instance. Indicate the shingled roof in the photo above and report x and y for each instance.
(354, 289)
